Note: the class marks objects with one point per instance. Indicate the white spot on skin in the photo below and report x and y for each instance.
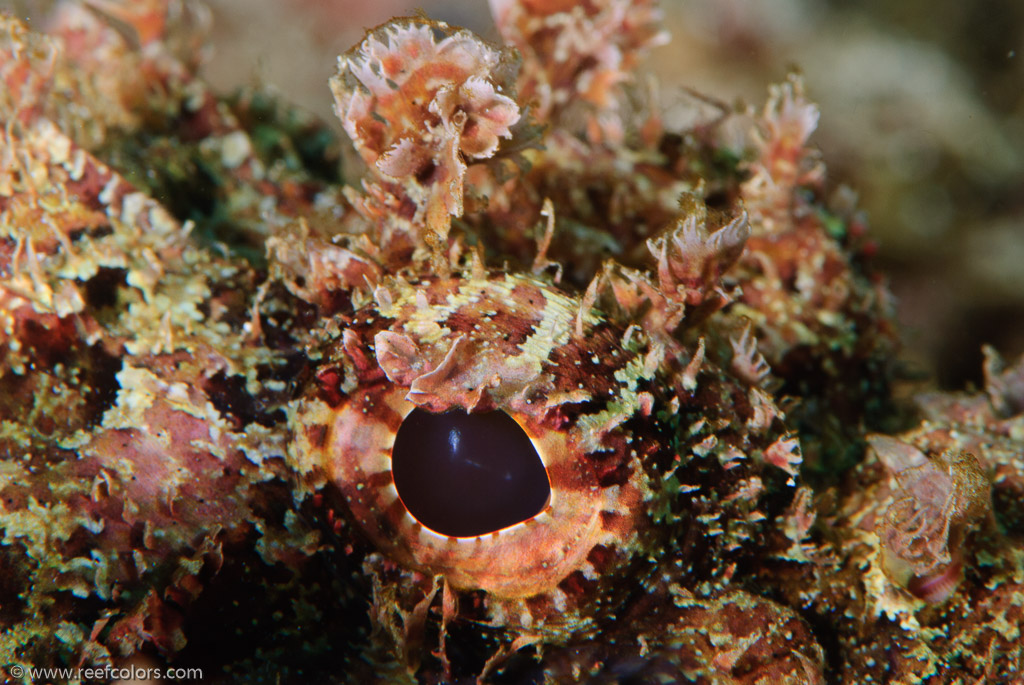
(107, 194)
(235, 149)
(77, 165)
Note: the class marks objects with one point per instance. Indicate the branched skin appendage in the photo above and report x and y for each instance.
(549, 394)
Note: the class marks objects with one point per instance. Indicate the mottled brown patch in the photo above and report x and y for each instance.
(615, 522)
(740, 621)
(539, 605)
(47, 338)
(567, 476)
(381, 479)
(600, 556)
(372, 403)
(575, 585)
(231, 398)
(317, 435)
(617, 475)
(329, 380)
(590, 363)
(510, 329)
(473, 605)
(87, 188)
(611, 467)
(529, 295)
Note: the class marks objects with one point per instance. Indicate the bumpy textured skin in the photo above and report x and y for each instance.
(209, 343)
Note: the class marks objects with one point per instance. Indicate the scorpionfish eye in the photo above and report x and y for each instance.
(464, 475)
(493, 431)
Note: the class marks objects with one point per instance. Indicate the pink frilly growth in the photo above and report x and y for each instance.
(690, 262)
(577, 50)
(747, 361)
(420, 100)
(784, 160)
(937, 502)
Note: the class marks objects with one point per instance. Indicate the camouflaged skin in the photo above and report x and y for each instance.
(209, 342)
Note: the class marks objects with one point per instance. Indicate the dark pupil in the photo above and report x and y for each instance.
(465, 474)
